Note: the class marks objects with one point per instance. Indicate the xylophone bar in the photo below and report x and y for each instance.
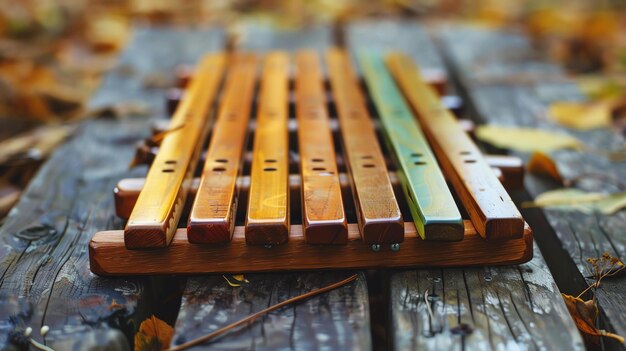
(322, 206)
(212, 216)
(489, 205)
(267, 220)
(378, 214)
(109, 257)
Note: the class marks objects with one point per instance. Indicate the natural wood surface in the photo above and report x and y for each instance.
(486, 308)
(267, 218)
(489, 205)
(44, 261)
(155, 216)
(507, 82)
(431, 203)
(337, 320)
(323, 217)
(377, 210)
(212, 217)
(109, 256)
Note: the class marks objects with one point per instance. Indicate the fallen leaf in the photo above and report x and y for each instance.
(600, 87)
(108, 32)
(240, 278)
(35, 144)
(585, 314)
(581, 115)
(153, 334)
(236, 280)
(541, 164)
(571, 199)
(526, 139)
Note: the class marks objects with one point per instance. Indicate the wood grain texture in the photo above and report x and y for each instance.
(212, 217)
(44, 266)
(489, 205)
(431, 203)
(157, 212)
(109, 256)
(378, 213)
(508, 83)
(489, 308)
(337, 320)
(267, 218)
(323, 217)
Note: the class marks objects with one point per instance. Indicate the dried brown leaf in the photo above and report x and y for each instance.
(541, 164)
(153, 334)
(585, 314)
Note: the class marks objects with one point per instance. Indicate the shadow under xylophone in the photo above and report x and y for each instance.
(314, 191)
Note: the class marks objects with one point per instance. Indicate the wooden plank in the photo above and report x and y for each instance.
(157, 212)
(109, 256)
(337, 320)
(378, 214)
(44, 261)
(432, 206)
(489, 308)
(489, 206)
(212, 217)
(507, 91)
(323, 217)
(267, 219)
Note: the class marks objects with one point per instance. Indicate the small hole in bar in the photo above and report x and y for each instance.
(219, 169)
(419, 163)
(368, 165)
(170, 162)
(168, 170)
(270, 160)
(354, 114)
(326, 174)
(317, 160)
(470, 161)
(367, 157)
(319, 168)
(221, 160)
(269, 169)
(416, 154)
(465, 152)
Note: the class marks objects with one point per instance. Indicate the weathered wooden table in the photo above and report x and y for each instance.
(44, 269)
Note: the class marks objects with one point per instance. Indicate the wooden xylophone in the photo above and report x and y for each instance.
(294, 176)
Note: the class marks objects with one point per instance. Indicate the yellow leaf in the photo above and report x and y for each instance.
(600, 87)
(153, 334)
(542, 164)
(240, 278)
(569, 199)
(236, 280)
(581, 116)
(526, 139)
(108, 32)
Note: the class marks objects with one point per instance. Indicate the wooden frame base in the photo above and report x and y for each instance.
(109, 257)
